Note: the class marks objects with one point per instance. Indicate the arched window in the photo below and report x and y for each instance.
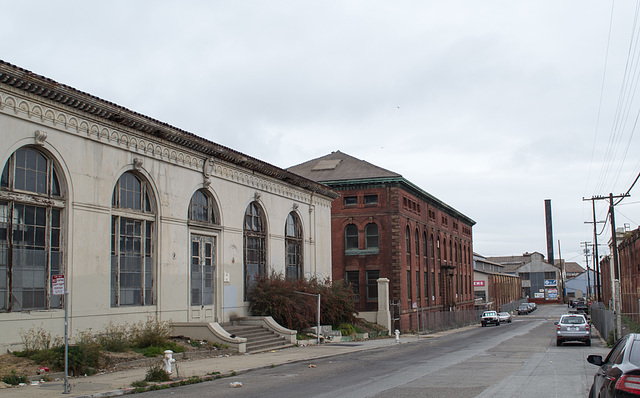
(438, 248)
(203, 208)
(31, 208)
(371, 236)
(407, 240)
(424, 244)
(132, 252)
(444, 249)
(431, 246)
(417, 242)
(351, 237)
(255, 246)
(203, 212)
(293, 244)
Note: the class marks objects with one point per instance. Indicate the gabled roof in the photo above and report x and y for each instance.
(338, 166)
(512, 263)
(341, 171)
(116, 115)
(571, 267)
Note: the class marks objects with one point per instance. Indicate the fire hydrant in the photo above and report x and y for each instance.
(168, 361)
(397, 336)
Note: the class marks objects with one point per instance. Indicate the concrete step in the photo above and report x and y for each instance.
(259, 339)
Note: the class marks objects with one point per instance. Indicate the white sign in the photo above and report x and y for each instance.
(57, 284)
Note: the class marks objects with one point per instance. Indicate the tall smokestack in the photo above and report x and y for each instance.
(547, 216)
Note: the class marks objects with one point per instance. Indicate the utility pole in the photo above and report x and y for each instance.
(586, 258)
(596, 257)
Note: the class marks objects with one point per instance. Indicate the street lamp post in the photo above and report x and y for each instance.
(318, 319)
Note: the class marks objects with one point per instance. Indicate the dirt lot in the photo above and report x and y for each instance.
(110, 360)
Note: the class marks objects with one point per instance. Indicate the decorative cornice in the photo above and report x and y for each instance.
(95, 108)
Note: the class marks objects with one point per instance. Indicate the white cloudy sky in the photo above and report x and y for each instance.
(491, 106)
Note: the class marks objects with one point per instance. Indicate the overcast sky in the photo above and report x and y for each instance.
(491, 106)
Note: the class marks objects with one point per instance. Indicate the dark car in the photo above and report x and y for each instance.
(523, 309)
(619, 372)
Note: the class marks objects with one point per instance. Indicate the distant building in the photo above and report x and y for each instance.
(541, 281)
(383, 226)
(493, 288)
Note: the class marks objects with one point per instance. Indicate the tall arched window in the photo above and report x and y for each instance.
(431, 246)
(255, 246)
(424, 245)
(31, 207)
(444, 249)
(438, 248)
(351, 237)
(132, 252)
(371, 236)
(293, 244)
(407, 240)
(203, 212)
(417, 242)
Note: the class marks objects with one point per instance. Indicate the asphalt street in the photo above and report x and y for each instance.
(511, 360)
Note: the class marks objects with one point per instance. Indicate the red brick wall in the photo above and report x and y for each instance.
(398, 209)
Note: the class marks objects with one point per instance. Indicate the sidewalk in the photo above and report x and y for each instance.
(119, 383)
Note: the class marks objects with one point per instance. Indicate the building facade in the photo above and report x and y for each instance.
(493, 288)
(140, 218)
(541, 281)
(383, 226)
(629, 273)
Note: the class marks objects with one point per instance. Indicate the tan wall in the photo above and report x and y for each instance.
(92, 156)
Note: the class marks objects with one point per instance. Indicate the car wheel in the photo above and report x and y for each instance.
(498, 323)
(588, 342)
(558, 342)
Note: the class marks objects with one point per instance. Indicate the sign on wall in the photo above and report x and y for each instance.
(550, 282)
(478, 283)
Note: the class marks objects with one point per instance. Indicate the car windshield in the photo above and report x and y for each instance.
(572, 320)
(490, 313)
(634, 355)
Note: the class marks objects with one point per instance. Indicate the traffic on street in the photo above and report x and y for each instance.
(520, 359)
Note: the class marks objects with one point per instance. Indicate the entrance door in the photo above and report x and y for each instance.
(203, 267)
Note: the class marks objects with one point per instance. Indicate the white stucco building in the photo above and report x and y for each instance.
(141, 218)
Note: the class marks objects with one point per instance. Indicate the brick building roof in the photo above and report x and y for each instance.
(339, 170)
(338, 166)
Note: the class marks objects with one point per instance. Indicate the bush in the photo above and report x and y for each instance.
(150, 333)
(157, 374)
(276, 296)
(13, 379)
(155, 350)
(116, 338)
(37, 339)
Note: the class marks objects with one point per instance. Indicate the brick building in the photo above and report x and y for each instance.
(629, 271)
(383, 226)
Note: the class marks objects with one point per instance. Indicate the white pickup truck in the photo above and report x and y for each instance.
(490, 317)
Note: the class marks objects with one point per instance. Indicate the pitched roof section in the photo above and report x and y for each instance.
(82, 102)
(338, 166)
(339, 170)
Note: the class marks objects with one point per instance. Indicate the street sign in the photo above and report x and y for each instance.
(57, 284)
